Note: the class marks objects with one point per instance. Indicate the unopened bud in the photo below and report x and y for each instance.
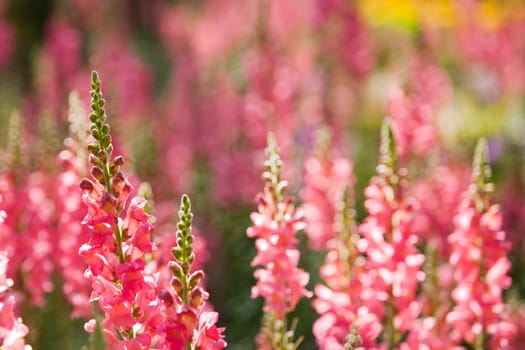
(176, 269)
(177, 285)
(166, 297)
(195, 278)
(108, 203)
(97, 173)
(87, 185)
(114, 166)
(196, 297)
(191, 258)
(93, 148)
(93, 160)
(117, 183)
(177, 253)
(118, 160)
(102, 155)
(185, 266)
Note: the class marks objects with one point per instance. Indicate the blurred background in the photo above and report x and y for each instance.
(193, 87)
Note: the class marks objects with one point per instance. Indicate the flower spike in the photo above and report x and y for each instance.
(481, 171)
(387, 149)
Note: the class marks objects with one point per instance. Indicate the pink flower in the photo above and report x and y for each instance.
(480, 262)
(324, 181)
(392, 271)
(12, 329)
(208, 335)
(412, 114)
(279, 281)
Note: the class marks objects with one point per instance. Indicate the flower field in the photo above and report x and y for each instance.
(265, 174)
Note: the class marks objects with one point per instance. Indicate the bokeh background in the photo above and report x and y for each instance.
(193, 87)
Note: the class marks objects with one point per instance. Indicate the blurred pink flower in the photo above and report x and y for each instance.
(481, 266)
(324, 180)
(412, 112)
(279, 281)
(12, 329)
(479, 257)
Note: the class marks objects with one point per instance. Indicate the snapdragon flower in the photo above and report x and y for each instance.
(481, 266)
(138, 312)
(393, 267)
(12, 328)
(326, 175)
(279, 281)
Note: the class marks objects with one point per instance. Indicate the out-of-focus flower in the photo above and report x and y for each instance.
(12, 328)
(412, 112)
(393, 266)
(481, 266)
(279, 281)
(326, 176)
(341, 310)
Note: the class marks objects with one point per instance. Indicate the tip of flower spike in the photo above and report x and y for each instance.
(95, 80)
(481, 171)
(185, 203)
(273, 164)
(387, 148)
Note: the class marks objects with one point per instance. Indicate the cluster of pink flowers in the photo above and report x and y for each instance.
(481, 266)
(412, 113)
(12, 328)
(338, 300)
(138, 313)
(381, 292)
(195, 89)
(279, 281)
(70, 212)
(393, 265)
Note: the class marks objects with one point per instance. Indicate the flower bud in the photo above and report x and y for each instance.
(98, 174)
(93, 148)
(108, 203)
(102, 155)
(177, 285)
(86, 185)
(196, 297)
(118, 182)
(166, 297)
(93, 160)
(114, 166)
(195, 278)
(176, 269)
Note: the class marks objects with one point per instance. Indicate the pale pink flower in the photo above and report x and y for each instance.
(481, 266)
(412, 113)
(324, 180)
(12, 328)
(70, 212)
(279, 281)
(439, 195)
(393, 267)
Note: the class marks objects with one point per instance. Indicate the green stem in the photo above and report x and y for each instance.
(390, 331)
(284, 337)
(481, 341)
(118, 240)
(107, 176)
